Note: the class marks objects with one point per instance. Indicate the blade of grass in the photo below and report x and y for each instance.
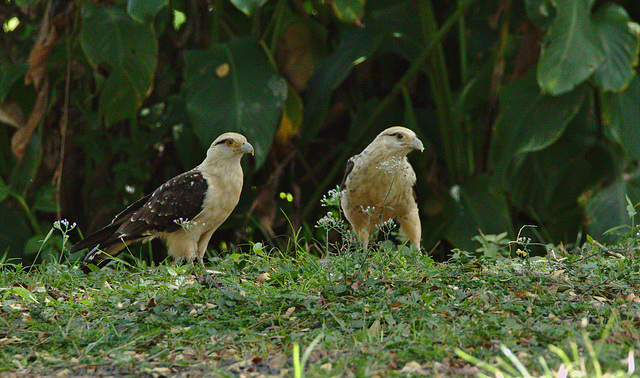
(515, 361)
(297, 369)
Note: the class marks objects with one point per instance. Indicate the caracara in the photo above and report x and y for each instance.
(379, 184)
(184, 211)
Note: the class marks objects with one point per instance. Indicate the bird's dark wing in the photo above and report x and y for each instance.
(94, 239)
(178, 200)
(126, 213)
(180, 197)
(347, 170)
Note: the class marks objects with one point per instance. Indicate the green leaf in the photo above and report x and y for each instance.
(26, 3)
(291, 119)
(331, 72)
(621, 112)
(127, 50)
(43, 246)
(145, 11)
(248, 7)
(546, 183)
(530, 120)
(479, 208)
(9, 75)
(540, 12)
(120, 98)
(109, 36)
(572, 51)
(631, 210)
(233, 87)
(14, 231)
(23, 174)
(607, 207)
(620, 39)
(189, 149)
(348, 11)
(45, 199)
(22, 292)
(4, 190)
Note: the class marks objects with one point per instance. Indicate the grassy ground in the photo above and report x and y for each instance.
(392, 312)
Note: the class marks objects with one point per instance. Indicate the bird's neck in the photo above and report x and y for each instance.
(222, 167)
(384, 153)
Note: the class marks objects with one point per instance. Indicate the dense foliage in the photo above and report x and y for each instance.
(530, 109)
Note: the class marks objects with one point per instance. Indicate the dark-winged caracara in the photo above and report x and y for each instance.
(379, 184)
(184, 211)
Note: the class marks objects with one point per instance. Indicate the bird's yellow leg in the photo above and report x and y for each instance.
(410, 225)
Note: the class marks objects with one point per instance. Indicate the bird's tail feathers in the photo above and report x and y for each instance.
(96, 257)
(101, 254)
(94, 240)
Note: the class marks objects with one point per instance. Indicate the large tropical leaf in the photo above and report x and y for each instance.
(120, 97)
(9, 75)
(233, 87)
(540, 12)
(248, 7)
(145, 10)
(127, 50)
(331, 72)
(348, 11)
(606, 208)
(619, 37)
(25, 172)
(531, 120)
(621, 112)
(546, 183)
(14, 231)
(572, 51)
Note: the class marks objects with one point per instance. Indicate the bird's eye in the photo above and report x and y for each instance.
(229, 142)
(399, 136)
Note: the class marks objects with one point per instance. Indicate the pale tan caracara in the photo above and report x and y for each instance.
(379, 184)
(184, 211)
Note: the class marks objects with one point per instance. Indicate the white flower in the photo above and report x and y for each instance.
(388, 224)
(368, 210)
(332, 198)
(64, 225)
(186, 224)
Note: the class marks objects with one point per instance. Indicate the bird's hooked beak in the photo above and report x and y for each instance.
(416, 145)
(246, 148)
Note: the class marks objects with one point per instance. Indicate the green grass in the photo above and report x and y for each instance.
(392, 312)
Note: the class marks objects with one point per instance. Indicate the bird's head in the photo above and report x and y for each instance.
(228, 145)
(397, 140)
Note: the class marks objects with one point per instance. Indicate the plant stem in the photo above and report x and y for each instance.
(32, 218)
(456, 151)
(217, 20)
(462, 46)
